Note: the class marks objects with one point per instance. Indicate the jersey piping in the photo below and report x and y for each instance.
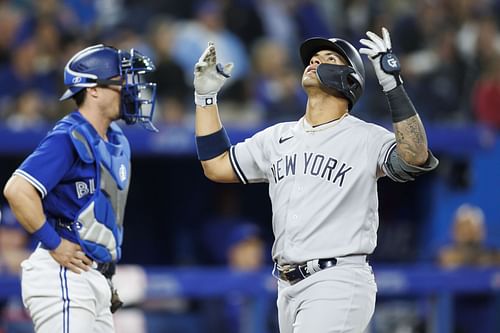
(236, 166)
(39, 186)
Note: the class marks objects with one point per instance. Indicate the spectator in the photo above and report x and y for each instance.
(245, 248)
(24, 73)
(241, 247)
(172, 89)
(29, 112)
(275, 86)
(486, 96)
(209, 23)
(14, 248)
(468, 246)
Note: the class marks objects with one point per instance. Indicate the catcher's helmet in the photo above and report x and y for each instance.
(348, 80)
(97, 64)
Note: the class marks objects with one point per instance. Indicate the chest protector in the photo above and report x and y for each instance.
(99, 224)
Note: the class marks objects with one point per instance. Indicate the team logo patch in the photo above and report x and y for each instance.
(122, 173)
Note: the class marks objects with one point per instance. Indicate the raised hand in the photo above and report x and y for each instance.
(209, 76)
(385, 63)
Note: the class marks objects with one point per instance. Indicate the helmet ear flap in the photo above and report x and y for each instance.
(338, 79)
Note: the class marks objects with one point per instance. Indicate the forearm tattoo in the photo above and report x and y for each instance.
(411, 140)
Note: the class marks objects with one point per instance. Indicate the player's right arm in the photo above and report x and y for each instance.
(211, 139)
(26, 205)
(24, 192)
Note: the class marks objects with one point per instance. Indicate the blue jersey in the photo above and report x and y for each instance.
(64, 181)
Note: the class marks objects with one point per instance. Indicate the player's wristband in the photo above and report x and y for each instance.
(212, 145)
(48, 236)
(400, 104)
(205, 100)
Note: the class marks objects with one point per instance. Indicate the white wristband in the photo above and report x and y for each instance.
(205, 100)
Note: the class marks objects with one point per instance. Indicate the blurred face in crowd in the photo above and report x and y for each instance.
(247, 255)
(12, 239)
(468, 228)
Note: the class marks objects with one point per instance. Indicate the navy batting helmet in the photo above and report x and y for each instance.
(98, 64)
(348, 80)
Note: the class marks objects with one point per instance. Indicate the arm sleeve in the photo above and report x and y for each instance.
(50, 161)
(249, 159)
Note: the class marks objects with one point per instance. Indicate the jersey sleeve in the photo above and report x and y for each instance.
(49, 162)
(380, 143)
(249, 158)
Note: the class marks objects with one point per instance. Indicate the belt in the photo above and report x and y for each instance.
(294, 273)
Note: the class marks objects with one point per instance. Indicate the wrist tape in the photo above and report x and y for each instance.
(205, 100)
(48, 236)
(212, 145)
(400, 104)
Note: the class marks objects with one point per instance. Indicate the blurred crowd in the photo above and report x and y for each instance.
(449, 51)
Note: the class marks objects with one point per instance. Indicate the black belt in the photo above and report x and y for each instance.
(298, 272)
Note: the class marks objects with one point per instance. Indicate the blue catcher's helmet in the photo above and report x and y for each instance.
(98, 64)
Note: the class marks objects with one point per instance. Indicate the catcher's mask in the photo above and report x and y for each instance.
(97, 64)
(348, 80)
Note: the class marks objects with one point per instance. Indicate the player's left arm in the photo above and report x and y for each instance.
(411, 148)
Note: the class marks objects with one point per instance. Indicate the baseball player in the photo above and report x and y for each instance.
(70, 193)
(322, 172)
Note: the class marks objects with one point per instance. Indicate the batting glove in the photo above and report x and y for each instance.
(209, 77)
(385, 63)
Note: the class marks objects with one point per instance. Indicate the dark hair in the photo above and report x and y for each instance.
(79, 97)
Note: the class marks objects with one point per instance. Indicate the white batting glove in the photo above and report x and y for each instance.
(209, 77)
(385, 63)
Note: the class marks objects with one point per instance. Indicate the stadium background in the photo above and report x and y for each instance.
(178, 220)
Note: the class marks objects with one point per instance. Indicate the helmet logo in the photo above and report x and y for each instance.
(77, 79)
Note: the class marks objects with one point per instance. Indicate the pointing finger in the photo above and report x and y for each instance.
(387, 38)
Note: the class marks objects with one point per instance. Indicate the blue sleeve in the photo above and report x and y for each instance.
(50, 161)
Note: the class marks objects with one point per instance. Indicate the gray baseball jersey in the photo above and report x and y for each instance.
(322, 184)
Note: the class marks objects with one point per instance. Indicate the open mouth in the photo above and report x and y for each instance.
(311, 70)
